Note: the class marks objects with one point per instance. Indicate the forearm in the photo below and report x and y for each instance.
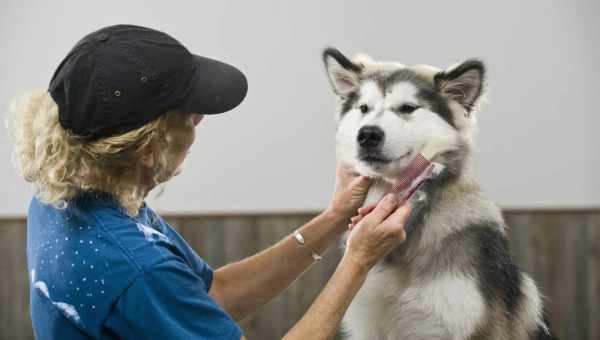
(250, 283)
(324, 316)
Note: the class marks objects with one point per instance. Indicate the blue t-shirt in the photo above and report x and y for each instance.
(96, 272)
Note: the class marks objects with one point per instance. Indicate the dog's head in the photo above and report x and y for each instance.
(389, 112)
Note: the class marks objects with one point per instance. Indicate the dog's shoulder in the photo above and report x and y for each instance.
(499, 277)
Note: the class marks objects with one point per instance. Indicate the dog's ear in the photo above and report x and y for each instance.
(463, 83)
(343, 74)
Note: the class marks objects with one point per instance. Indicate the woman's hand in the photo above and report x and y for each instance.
(378, 232)
(373, 237)
(350, 192)
(362, 212)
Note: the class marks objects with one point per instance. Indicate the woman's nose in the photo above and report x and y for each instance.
(197, 118)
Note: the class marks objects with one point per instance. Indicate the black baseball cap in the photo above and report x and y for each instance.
(121, 77)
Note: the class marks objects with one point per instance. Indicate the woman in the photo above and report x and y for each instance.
(118, 119)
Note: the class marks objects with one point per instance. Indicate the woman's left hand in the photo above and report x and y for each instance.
(350, 192)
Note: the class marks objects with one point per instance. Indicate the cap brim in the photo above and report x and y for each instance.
(217, 87)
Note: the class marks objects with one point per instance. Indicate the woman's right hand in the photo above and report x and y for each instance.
(373, 237)
(378, 232)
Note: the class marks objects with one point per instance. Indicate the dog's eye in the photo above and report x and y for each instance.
(364, 108)
(407, 108)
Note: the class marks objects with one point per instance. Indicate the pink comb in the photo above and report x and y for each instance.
(409, 181)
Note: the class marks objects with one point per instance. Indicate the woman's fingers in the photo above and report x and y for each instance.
(383, 209)
(359, 186)
(395, 222)
(362, 212)
(350, 191)
(361, 215)
(366, 209)
(379, 232)
(346, 178)
(343, 176)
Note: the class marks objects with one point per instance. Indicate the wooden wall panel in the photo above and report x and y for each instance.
(560, 249)
(14, 282)
(592, 279)
(552, 248)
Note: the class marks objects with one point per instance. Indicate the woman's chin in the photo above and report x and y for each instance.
(179, 169)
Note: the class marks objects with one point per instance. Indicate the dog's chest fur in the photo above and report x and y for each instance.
(429, 288)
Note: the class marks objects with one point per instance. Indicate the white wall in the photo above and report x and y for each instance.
(538, 145)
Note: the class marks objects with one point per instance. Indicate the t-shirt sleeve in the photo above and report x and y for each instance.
(170, 301)
(199, 266)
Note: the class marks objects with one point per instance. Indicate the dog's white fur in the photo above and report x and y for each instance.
(396, 301)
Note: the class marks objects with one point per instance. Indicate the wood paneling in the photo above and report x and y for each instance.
(14, 282)
(560, 249)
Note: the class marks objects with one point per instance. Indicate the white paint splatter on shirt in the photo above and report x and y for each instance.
(41, 285)
(152, 234)
(68, 310)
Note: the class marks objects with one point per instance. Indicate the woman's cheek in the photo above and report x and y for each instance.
(184, 138)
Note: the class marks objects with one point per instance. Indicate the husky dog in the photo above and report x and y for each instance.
(453, 277)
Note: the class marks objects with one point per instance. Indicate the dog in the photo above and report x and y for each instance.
(453, 277)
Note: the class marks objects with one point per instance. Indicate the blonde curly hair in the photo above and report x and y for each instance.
(59, 165)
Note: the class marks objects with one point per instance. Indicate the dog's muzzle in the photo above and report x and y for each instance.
(370, 137)
(370, 141)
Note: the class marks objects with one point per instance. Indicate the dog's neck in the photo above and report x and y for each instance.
(452, 201)
(378, 189)
(407, 182)
(453, 167)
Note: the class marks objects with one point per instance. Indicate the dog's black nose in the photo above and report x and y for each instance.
(370, 136)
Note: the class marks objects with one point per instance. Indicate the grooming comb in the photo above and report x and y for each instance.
(408, 183)
(417, 172)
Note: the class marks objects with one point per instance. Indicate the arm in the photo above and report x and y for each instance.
(323, 318)
(368, 242)
(243, 286)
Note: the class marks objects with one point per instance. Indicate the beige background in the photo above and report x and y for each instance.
(538, 145)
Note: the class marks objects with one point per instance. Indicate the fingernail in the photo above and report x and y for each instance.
(389, 198)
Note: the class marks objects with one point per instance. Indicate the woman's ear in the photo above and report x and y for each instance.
(343, 74)
(463, 83)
